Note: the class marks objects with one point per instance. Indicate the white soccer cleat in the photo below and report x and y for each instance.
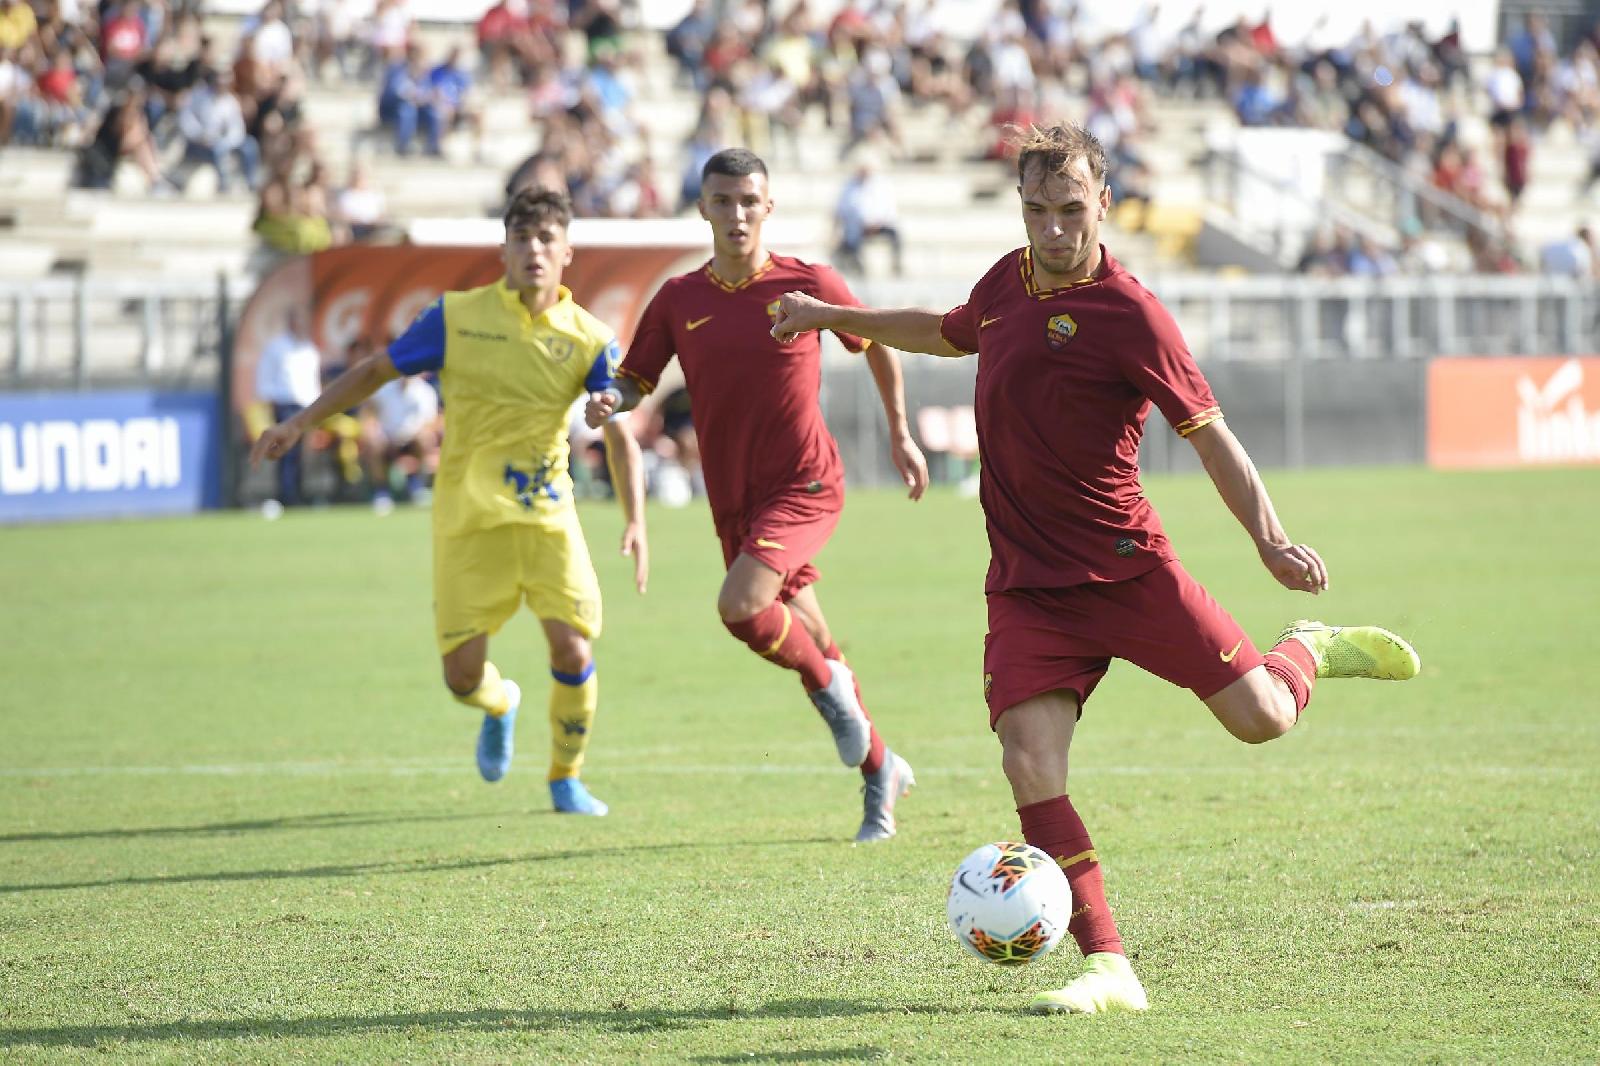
(1107, 984)
(893, 780)
(837, 703)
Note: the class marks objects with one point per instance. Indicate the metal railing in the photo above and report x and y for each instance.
(77, 331)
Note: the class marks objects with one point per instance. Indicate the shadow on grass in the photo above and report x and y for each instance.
(544, 1021)
(827, 1054)
(414, 866)
(336, 820)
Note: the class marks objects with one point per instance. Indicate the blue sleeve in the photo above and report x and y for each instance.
(604, 371)
(421, 346)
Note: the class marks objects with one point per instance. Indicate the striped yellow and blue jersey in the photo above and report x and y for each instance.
(508, 380)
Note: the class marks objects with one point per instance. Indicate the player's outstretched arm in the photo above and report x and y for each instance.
(349, 389)
(1295, 566)
(621, 395)
(627, 479)
(903, 450)
(909, 329)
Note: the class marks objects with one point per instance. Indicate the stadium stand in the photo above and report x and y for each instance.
(623, 114)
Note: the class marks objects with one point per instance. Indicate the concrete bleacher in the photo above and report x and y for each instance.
(957, 212)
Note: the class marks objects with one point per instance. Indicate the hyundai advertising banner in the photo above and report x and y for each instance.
(107, 454)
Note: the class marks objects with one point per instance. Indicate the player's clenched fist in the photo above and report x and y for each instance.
(601, 406)
(274, 442)
(797, 313)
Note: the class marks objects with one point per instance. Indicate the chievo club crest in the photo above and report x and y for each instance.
(1059, 330)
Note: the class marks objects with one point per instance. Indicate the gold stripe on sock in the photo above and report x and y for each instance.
(1082, 856)
(788, 620)
(1292, 663)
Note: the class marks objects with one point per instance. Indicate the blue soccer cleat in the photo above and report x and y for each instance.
(494, 739)
(568, 796)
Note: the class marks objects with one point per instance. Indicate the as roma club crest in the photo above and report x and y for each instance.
(772, 309)
(1059, 330)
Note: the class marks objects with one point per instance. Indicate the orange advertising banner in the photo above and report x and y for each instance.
(372, 293)
(1505, 412)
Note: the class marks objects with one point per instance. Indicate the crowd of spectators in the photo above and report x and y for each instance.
(140, 82)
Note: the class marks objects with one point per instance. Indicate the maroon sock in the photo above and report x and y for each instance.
(1054, 827)
(874, 760)
(1292, 663)
(774, 634)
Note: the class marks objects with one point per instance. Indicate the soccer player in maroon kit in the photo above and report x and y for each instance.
(1072, 351)
(772, 469)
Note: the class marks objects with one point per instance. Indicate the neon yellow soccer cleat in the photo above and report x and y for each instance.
(1107, 984)
(1355, 651)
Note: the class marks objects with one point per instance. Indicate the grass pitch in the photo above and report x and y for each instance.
(239, 818)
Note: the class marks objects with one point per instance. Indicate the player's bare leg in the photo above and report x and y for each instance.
(473, 679)
(1266, 702)
(574, 698)
(1035, 737)
(749, 605)
(1256, 708)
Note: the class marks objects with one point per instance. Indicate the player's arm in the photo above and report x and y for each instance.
(1296, 566)
(907, 457)
(349, 389)
(909, 329)
(627, 479)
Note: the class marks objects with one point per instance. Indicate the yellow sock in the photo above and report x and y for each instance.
(490, 696)
(573, 699)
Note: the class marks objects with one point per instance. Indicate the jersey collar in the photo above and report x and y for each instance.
(735, 286)
(1107, 265)
(514, 303)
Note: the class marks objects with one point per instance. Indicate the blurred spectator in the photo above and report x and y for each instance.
(401, 430)
(213, 130)
(18, 25)
(336, 38)
(359, 208)
(452, 98)
(866, 211)
(406, 101)
(1571, 257)
(686, 42)
(122, 134)
(1515, 159)
(286, 221)
(289, 378)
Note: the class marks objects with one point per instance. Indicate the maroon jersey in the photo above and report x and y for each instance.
(754, 402)
(1065, 379)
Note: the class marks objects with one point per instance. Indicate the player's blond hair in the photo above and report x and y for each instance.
(1056, 149)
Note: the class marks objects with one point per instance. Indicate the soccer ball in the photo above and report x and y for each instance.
(1009, 903)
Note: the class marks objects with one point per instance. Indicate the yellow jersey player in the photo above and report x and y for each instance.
(512, 358)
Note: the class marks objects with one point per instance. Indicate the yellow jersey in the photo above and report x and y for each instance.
(508, 380)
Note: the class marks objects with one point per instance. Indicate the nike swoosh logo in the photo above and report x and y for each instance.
(763, 542)
(989, 321)
(697, 323)
(1227, 656)
(970, 888)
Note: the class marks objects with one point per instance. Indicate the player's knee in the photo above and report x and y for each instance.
(570, 657)
(462, 678)
(1026, 769)
(1266, 721)
(737, 605)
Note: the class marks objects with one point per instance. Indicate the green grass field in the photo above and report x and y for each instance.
(239, 819)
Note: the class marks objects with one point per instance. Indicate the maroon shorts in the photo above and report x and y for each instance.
(785, 533)
(1041, 640)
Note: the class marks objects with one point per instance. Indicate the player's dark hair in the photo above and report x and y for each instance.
(1057, 148)
(734, 163)
(539, 205)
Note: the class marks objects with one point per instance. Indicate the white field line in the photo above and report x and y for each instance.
(411, 768)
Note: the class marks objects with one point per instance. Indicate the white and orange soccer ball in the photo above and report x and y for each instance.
(1009, 903)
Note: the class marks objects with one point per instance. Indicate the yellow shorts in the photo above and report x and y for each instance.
(480, 578)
